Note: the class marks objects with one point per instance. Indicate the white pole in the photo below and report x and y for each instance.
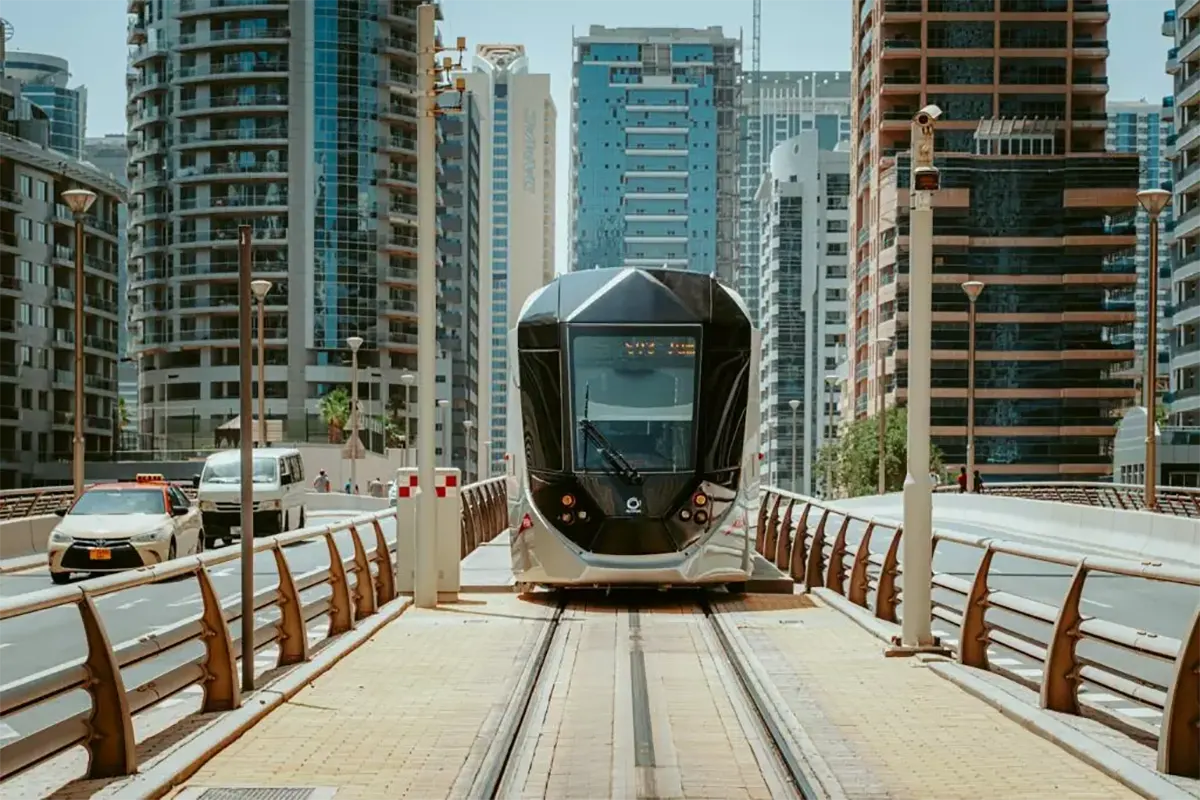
(918, 491)
(425, 574)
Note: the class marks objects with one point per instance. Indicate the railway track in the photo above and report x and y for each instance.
(680, 706)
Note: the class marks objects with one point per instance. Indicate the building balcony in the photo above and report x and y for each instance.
(239, 203)
(235, 103)
(148, 115)
(399, 46)
(148, 180)
(199, 8)
(211, 173)
(228, 237)
(271, 68)
(399, 177)
(399, 145)
(404, 276)
(99, 345)
(147, 52)
(226, 37)
(399, 111)
(65, 298)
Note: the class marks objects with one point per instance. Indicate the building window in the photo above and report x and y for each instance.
(26, 228)
(26, 186)
(43, 191)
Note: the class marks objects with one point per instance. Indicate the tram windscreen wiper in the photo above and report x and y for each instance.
(626, 471)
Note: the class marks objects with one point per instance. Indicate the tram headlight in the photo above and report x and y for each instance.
(567, 517)
(685, 514)
(700, 499)
(701, 517)
(568, 501)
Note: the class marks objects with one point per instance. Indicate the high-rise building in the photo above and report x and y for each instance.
(775, 107)
(44, 80)
(654, 137)
(462, 270)
(803, 204)
(519, 156)
(1183, 270)
(110, 155)
(37, 298)
(253, 114)
(1141, 128)
(1031, 205)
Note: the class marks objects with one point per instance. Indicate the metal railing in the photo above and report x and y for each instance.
(17, 503)
(813, 543)
(105, 728)
(1178, 500)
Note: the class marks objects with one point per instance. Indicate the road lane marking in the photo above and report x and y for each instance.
(1140, 713)
(171, 701)
(193, 689)
(1028, 673)
(1096, 603)
(132, 603)
(7, 644)
(1101, 697)
(7, 732)
(1004, 662)
(222, 573)
(191, 601)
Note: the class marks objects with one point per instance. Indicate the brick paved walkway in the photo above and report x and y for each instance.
(891, 728)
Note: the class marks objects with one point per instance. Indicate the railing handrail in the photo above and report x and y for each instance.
(818, 558)
(1180, 501)
(106, 729)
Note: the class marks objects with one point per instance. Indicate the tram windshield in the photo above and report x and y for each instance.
(637, 392)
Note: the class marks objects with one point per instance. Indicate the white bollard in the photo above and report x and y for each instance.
(406, 529)
(449, 534)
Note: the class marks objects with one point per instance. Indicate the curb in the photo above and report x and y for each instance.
(175, 766)
(22, 563)
(1133, 776)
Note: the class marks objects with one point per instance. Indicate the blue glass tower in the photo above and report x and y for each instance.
(43, 81)
(654, 134)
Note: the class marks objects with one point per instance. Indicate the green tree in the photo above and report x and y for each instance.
(335, 412)
(852, 460)
(1160, 413)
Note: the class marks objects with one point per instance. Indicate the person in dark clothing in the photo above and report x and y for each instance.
(978, 483)
(962, 480)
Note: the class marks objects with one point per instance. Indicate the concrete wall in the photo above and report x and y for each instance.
(26, 535)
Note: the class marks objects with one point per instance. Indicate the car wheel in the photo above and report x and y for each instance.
(171, 550)
(60, 577)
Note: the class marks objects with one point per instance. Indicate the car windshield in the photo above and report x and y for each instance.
(230, 471)
(119, 501)
(638, 393)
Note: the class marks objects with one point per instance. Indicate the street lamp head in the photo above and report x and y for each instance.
(883, 342)
(355, 342)
(443, 403)
(928, 114)
(408, 379)
(793, 404)
(79, 200)
(468, 424)
(834, 379)
(260, 289)
(1154, 200)
(973, 289)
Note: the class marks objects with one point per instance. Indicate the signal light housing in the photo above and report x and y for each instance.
(701, 517)
(568, 501)
(700, 499)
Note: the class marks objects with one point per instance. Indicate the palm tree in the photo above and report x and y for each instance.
(335, 412)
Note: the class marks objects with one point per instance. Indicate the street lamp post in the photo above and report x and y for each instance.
(831, 382)
(487, 448)
(972, 290)
(246, 449)
(79, 201)
(916, 631)
(1154, 201)
(407, 380)
(881, 348)
(355, 342)
(260, 289)
(793, 405)
(468, 424)
(443, 419)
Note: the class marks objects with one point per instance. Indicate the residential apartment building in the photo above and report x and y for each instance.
(37, 298)
(252, 114)
(1183, 272)
(462, 271)
(1143, 129)
(654, 138)
(44, 80)
(1031, 205)
(110, 155)
(803, 209)
(519, 154)
(777, 106)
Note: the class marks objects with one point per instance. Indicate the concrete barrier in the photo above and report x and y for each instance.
(1138, 533)
(26, 535)
(335, 501)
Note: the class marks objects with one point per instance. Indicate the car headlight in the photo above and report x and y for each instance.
(269, 505)
(151, 536)
(60, 538)
(208, 505)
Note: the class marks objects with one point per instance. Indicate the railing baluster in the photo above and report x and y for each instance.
(1060, 676)
(1179, 740)
(364, 586)
(222, 692)
(111, 747)
(341, 617)
(385, 578)
(293, 636)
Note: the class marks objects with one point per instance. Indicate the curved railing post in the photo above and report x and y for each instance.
(760, 530)
(885, 593)
(973, 640)
(783, 544)
(364, 587)
(385, 579)
(340, 614)
(1179, 739)
(1060, 676)
(800, 546)
(837, 559)
(221, 689)
(859, 577)
(293, 638)
(111, 747)
(768, 548)
(816, 552)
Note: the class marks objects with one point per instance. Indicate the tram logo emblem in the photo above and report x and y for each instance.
(633, 505)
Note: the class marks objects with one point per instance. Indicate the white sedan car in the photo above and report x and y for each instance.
(118, 526)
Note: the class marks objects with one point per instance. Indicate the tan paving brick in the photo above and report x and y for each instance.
(400, 716)
(891, 728)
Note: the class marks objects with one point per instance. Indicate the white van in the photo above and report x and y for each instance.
(279, 493)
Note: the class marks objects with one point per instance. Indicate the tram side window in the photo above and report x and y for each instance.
(541, 409)
(724, 382)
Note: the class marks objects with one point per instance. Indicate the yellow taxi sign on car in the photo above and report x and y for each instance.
(148, 477)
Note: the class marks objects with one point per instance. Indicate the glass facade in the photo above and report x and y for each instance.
(67, 111)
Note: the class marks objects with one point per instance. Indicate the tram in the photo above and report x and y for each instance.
(633, 429)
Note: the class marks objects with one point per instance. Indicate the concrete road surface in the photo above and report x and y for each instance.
(1164, 609)
(47, 639)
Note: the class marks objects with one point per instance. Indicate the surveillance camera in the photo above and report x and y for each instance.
(928, 114)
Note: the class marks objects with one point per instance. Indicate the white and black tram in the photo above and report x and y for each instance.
(633, 425)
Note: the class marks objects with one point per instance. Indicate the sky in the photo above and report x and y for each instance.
(796, 35)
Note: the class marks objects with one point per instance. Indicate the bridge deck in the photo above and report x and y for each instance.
(413, 712)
